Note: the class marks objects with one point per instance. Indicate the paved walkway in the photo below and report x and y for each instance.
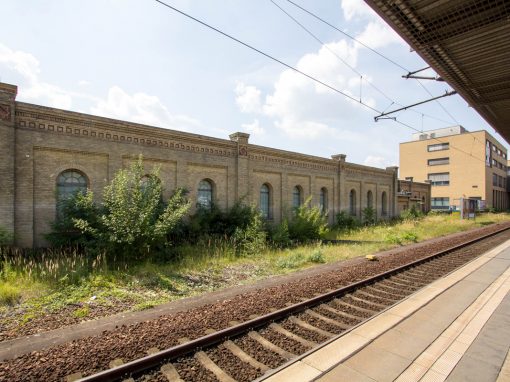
(456, 329)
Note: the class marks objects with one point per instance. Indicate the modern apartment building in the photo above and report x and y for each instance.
(458, 164)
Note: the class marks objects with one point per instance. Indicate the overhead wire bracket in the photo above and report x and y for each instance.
(385, 114)
(412, 75)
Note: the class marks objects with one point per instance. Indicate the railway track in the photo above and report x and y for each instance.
(248, 350)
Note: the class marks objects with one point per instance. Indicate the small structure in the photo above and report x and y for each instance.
(411, 193)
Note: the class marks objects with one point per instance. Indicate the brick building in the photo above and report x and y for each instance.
(47, 151)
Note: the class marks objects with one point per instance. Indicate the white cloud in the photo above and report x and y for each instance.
(376, 161)
(247, 98)
(31, 87)
(356, 8)
(141, 108)
(377, 35)
(253, 128)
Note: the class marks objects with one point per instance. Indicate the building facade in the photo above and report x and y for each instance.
(458, 164)
(413, 194)
(49, 151)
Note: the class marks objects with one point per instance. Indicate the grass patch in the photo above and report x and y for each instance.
(41, 283)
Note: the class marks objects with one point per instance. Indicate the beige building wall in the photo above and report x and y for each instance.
(39, 143)
(469, 176)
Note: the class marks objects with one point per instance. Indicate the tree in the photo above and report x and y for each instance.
(133, 218)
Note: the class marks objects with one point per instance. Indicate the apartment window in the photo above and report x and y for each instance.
(438, 161)
(438, 147)
(494, 162)
(494, 179)
(499, 152)
(500, 181)
(439, 179)
(440, 203)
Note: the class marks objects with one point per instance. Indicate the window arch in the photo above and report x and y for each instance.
(296, 196)
(352, 202)
(370, 199)
(265, 201)
(205, 193)
(323, 200)
(70, 182)
(384, 202)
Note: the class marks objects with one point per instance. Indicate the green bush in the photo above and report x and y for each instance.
(6, 237)
(251, 239)
(9, 294)
(317, 257)
(132, 220)
(368, 214)
(293, 261)
(411, 213)
(395, 238)
(308, 223)
(279, 234)
(345, 221)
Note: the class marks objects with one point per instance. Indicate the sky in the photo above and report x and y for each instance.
(139, 61)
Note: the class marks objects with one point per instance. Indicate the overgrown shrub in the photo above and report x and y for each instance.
(368, 214)
(251, 239)
(345, 220)
(317, 257)
(6, 237)
(411, 213)
(308, 223)
(279, 234)
(79, 206)
(132, 220)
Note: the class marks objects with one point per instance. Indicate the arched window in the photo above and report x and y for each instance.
(69, 182)
(323, 200)
(352, 202)
(370, 199)
(296, 196)
(265, 201)
(384, 202)
(205, 194)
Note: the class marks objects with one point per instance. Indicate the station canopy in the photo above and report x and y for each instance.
(467, 43)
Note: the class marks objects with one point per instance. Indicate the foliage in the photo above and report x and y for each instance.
(317, 257)
(79, 206)
(345, 221)
(308, 223)
(6, 237)
(132, 220)
(411, 214)
(9, 294)
(251, 239)
(279, 234)
(293, 261)
(368, 214)
(401, 238)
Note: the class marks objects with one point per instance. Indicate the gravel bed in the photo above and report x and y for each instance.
(361, 304)
(258, 352)
(391, 290)
(232, 365)
(191, 370)
(155, 376)
(320, 324)
(333, 316)
(11, 326)
(92, 354)
(283, 341)
(385, 295)
(375, 299)
(350, 310)
(302, 332)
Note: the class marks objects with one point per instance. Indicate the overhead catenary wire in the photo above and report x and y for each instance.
(372, 50)
(266, 55)
(345, 62)
(286, 65)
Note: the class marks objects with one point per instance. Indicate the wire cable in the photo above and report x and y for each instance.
(267, 55)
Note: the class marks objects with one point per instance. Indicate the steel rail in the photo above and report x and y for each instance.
(138, 366)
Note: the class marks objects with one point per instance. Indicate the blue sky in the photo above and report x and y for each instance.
(139, 61)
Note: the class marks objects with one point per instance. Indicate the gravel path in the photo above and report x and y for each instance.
(91, 354)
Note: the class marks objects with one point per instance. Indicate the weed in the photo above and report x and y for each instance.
(317, 257)
(82, 312)
(292, 261)
(9, 294)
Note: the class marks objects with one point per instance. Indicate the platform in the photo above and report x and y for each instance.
(455, 329)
